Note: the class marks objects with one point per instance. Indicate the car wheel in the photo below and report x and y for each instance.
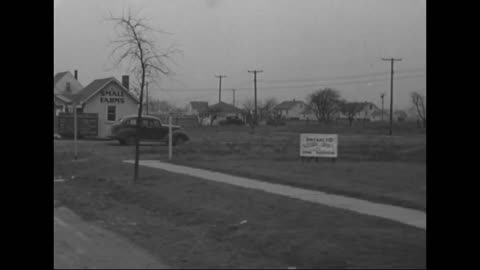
(179, 140)
(130, 140)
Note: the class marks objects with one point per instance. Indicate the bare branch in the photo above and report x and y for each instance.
(145, 62)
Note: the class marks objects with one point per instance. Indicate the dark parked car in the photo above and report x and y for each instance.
(152, 130)
(276, 122)
(232, 121)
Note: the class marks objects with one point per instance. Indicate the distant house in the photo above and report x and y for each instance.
(292, 109)
(368, 111)
(66, 83)
(308, 114)
(65, 86)
(108, 98)
(222, 110)
(400, 116)
(377, 115)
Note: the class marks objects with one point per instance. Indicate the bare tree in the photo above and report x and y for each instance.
(420, 105)
(267, 107)
(249, 105)
(213, 112)
(351, 109)
(400, 115)
(135, 46)
(161, 106)
(325, 103)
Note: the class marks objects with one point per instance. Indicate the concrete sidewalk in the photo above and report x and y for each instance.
(79, 245)
(403, 215)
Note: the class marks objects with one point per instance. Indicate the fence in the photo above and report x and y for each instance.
(87, 124)
(181, 120)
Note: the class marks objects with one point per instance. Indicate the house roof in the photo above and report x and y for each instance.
(95, 86)
(225, 107)
(58, 77)
(61, 98)
(199, 106)
(375, 107)
(287, 105)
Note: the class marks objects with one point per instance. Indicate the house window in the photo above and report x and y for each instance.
(111, 113)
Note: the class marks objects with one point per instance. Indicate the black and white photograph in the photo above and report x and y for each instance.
(240, 134)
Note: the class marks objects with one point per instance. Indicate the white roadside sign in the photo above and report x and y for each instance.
(318, 145)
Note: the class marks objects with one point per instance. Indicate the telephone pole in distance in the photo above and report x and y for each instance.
(233, 90)
(382, 95)
(220, 87)
(392, 60)
(255, 85)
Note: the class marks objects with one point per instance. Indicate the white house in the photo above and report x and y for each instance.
(222, 110)
(108, 98)
(292, 109)
(65, 86)
(368, 111)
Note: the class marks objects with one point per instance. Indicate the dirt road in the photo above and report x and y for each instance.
(79, 245)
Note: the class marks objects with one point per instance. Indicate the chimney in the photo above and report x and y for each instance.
(125, 82)
(76, 74)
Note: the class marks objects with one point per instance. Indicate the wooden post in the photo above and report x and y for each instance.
(170, 137)
(75, 129)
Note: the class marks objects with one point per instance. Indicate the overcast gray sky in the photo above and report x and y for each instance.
(301, 45)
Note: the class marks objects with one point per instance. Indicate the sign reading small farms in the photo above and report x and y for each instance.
(318, 145)
(112, 96)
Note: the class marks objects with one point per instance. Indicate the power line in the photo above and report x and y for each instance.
(332, 83)
(377, 74)
(295, 86)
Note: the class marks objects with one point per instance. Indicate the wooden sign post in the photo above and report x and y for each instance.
(75, 128)
(170, 137)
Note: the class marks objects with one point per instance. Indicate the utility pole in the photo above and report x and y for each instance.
(382, 95)
(392, 60)
(255, 85)
(233, 90)
(220, 87)
(147, 96)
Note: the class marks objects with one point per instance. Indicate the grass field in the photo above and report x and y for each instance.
(373, 166)
(192, 223)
